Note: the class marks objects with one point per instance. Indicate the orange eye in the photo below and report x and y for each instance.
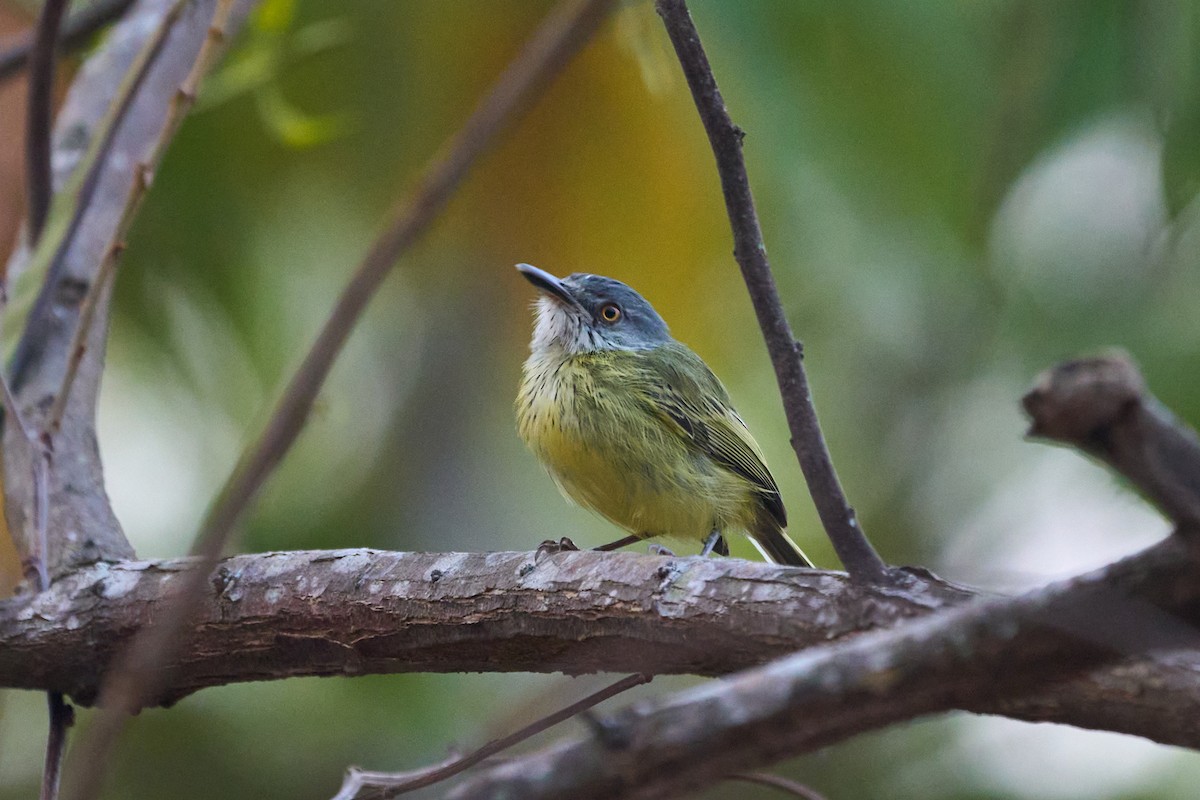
(610, 313)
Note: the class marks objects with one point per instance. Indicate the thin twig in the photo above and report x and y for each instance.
(394, 784)
(40, 112)
(794, 788)
(137, 675)
(62, 716)
(841, 525)
(76, 32)
(78, 346)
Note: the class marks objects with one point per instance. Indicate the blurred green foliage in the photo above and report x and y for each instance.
(954, 196)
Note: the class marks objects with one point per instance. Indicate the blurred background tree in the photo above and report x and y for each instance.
(954, 195)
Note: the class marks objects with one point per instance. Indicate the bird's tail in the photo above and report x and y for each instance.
(777, 547)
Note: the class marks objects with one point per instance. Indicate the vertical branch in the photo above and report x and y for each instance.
(838, 518)
(40, 111)
(61, 717)
(34, 552)
(33, 549)
(39, 185)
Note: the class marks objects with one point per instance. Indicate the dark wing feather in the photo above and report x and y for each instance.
(684, 392)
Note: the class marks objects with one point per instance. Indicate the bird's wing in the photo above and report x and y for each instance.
(694, 403)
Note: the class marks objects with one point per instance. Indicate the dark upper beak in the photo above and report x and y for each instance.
(549, 284)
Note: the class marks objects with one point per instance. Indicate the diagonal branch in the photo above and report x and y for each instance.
(986, 656)
(561, 35)
(366, 785)
(181, 103)
(841, 525)
(969, 658)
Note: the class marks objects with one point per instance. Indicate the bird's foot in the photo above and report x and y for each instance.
(549, 547)
(658, 550)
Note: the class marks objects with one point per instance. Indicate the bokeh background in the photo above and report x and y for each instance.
(954, 196)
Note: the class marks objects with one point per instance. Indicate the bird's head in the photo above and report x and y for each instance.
(584, 313)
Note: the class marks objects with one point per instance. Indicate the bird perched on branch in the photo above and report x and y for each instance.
(634, 426)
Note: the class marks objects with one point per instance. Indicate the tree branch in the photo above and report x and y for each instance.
(838, 518)
(362, 784)
(984, 657)
(972, 658)
(136, 677)
(355, 612)
(76, 31)
(40, 113)
(116, 109)
(1101, 406)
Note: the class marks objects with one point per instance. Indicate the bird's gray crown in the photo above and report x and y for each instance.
(638, 326)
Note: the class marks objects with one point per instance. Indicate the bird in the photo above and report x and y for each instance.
(633, 425)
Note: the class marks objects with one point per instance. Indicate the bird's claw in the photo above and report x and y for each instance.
(549, 547)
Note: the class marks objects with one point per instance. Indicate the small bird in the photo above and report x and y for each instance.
(634, 426)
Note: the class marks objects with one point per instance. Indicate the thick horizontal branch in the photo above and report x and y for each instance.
(276, 615)
(351, 612)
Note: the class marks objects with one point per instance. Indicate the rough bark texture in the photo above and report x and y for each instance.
(350, 612)
(347, 612)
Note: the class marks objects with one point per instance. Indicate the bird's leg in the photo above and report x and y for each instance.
(715, 542)
(624, 541)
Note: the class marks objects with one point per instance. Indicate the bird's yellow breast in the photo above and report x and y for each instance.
(610, 453)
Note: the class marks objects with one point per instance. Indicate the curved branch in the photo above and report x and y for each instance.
(115, 112)
(354, 612)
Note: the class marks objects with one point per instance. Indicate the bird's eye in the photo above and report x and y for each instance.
(610, 313)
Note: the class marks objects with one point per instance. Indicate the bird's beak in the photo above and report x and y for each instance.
(551, 285)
